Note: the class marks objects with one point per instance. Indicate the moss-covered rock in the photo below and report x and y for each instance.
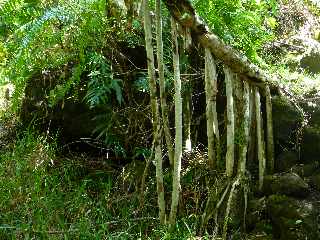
(289, 184)
(71, 116)
(310, 146)
(305, 170)
(257, 221)
(286, 160)
(311, 106)
(315, 115)
(292, 219)
(310, 60)
(287, 119)
(315, 181)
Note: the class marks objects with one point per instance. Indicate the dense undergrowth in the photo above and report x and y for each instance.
(50, 193)
(45, 195)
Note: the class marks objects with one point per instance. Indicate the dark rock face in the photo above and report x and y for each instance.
(311, 106)
(292, 196)
(72, 118)
(315, 114)
(256, 218)
(286, 160)
(310, 146)
(292, 219)
(287, 119)
(289, 184)
(310, 62)
(305, 170)
(315, 181)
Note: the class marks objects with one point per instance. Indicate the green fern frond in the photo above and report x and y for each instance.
(101, 83)
(52, 34)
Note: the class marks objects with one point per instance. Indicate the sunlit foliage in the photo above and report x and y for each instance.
(244, 24)
(48, 35)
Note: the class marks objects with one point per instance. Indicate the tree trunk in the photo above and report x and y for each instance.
(163, 100)
(270, 142)
(155, 111)
(260, 142)
(211, 112)
(184, 13)
(230, 123)
(178, 126)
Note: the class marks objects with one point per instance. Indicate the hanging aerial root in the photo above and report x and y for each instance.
(209, 211)
(230, 122)
(221, 202)
(270, 140)
(187, 97)
(155, 110)
(178, 127)
(211, 108)
(225, 197)
(260, 141)
(245, 128)
(245, 197)
(216, 229)
(163, 100)
(144, 176)
(228, 194)
(226, 218)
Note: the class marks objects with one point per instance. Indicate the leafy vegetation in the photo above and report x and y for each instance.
(246, 25)
(101, 82)
(42, 36)
(91, 54)
(74, 197)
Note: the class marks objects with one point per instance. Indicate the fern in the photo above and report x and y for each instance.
(48, 36)
(101, 82)
(105, 131)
